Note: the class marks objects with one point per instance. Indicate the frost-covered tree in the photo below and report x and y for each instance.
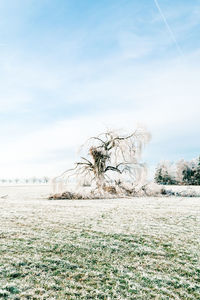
(158, 175)
(165, 173)
(197, 172)
(183, 172)
(111, 158)
(180, 167)
(189, 172)
(45, 179)
(188, 175)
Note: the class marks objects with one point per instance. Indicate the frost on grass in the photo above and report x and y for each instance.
(111, 167)
(135, 248)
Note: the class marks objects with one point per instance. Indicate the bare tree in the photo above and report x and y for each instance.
(110, 158)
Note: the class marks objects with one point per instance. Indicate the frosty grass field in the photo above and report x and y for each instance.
(138, 248)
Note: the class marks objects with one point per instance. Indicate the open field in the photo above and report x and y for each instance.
(138, 248)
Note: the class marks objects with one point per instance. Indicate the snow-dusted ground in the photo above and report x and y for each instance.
(29, 203)
(183, 188)
(52, 249)
(195, 188)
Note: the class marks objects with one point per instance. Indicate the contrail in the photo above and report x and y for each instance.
(168, 28)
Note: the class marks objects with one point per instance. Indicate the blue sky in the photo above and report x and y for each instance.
(70, 68)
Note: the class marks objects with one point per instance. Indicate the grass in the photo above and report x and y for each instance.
(114, 249)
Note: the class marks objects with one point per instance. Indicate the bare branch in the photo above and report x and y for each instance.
(110, 152)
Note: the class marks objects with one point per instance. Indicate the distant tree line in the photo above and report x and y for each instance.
(181, 173)
(31, 180)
